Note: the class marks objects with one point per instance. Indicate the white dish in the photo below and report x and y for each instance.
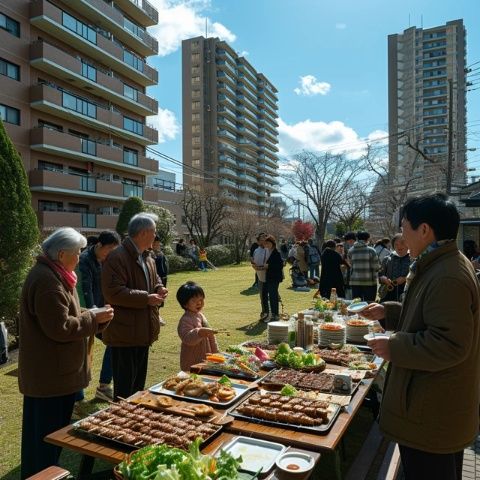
(303, 461)
(357, 307)
(98, 310)
(373, 336)
(257, 455)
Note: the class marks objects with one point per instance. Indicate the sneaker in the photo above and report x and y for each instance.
(263, 316)
(104, 393)
(266, 318)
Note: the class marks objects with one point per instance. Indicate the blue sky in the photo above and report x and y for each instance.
(342, 44)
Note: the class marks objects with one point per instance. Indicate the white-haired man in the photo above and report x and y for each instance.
(130, 282)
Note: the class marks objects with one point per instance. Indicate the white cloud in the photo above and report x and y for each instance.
(319, 136)
(311, 86)
(182, 19)
(340, 26)
(166, 123)
(244, 53)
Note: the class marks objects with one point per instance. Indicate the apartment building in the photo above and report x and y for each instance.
(73, 100)
(230, 124)
(422, 66)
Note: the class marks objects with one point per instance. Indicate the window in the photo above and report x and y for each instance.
(79, 28)
(130, 156)
(195, 105)
(195, 128)
(130, 92)
(195, 117)
(10, 114)
(79, 105)
(49, 206)
(88, 184)
(10, 25)
(9, 69)
(131, 188)
(132, 60)
(196, 93)
(196, 163)
(133, 27)
(195, 79)
(50, 126)
(195, 58)
(133, 125)
(195, 152)
(196, 140)
(195, 70)
(88, 71)
(50, 166)
(88, 146)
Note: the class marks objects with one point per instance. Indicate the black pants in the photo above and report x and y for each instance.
(270, 296)
(42, 416)
(419, 465)
(366, 293)
(129, 366)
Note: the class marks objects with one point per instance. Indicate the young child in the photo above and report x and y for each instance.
(197, 337)
(202, 260)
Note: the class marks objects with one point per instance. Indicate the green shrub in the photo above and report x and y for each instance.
(18, 228)
(167, 250)
(165, 223)
(220, 255)
(131, 207)
(179, 264)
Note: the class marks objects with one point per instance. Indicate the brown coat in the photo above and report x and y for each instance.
(53, 336)
(431, 394)
(124, 287)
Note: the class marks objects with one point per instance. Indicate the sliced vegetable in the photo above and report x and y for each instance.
(225, 381)
(288, 390)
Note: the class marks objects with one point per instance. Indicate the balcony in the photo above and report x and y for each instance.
(76, 148)
(226, 67)
(112, 19)
(50, 19)
(56, 102)
(59, 64)
(141, 11)
(226, 101)
(51, 220)
(227, 171)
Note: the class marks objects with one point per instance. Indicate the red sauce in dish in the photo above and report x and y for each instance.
(292, 466)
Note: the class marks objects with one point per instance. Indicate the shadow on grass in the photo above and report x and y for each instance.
(249, 291)
(254, 328)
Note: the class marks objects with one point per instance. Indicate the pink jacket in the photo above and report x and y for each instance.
(194, 347)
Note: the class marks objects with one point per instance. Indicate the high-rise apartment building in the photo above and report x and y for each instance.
(73, 99)
(423, 64)
(229, 124)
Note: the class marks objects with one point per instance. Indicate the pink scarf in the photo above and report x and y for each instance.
(70, 278)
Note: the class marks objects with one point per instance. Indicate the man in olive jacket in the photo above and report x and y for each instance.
(130, 282)
(431, 395)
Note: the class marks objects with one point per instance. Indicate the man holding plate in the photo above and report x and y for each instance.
(431, 394)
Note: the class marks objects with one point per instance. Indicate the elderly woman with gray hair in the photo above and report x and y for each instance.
(54, 336)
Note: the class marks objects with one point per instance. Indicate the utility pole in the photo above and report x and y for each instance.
(450, 137)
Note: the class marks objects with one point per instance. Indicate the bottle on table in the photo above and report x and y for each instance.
(292, 332)
(300, 330)
(333, 295)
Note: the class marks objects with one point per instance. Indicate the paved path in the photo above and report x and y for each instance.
(471, 462)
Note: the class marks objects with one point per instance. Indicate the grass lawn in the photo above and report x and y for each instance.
(229, 304)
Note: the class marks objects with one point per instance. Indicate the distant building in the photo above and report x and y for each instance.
(421, 62)
(230, 124)
(164, 181)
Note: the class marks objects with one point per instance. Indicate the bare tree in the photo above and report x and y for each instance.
(204, 214)
(324, 180)
(352, 207)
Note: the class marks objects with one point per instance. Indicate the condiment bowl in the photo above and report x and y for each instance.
(295, 464)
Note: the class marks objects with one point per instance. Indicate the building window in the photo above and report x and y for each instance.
(195, 105)
(195, 128)
(195, 57)
(196, 93)
(88, 146)
(130, 92)
(10, 114)
(133, 125)
(195, 117)
(50, 126)
(89, 72)
(195, 80)
(130, 156)
(131, 188)
(195, 152)
(49, 206)
(10, 25)
(9, 69)
(196, 140)
(196, 163)
(79, 105)
(133, 27)
(50, 166)
(79, 28)
(195, 70)
(132, 60)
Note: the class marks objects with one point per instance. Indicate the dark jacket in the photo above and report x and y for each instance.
(431, 394)
(331, 274)
(180, 249)
(91, 278)
(125, 288)
(54, 335)
(274, 272)
(161, 262)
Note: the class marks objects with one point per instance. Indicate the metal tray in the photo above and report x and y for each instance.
(77, 428)
(240, 375)
(264, 383)
(240, 391)
(258, 449)
(321, 429)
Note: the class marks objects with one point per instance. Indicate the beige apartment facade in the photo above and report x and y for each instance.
(423, 64)
(73, 99)
(230, 122)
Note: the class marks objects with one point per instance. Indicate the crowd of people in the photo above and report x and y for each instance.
(429, 296)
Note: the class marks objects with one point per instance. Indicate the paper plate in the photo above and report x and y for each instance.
(357, 307)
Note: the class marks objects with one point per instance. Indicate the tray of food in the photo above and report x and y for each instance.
(343, 355)
(285, 357)
(243, 366)
(134, 426)
(222, 393)
(320, 381)
(299, 413)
